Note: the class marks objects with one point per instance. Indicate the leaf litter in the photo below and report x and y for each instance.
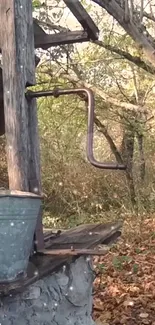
(124, 288)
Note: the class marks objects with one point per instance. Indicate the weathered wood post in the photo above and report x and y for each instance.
(21, 127)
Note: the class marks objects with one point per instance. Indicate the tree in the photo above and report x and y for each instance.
(125, 100)
(132, 17)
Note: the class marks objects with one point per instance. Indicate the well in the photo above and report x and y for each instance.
(62, 298)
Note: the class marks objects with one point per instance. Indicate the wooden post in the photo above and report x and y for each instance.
(21, 127)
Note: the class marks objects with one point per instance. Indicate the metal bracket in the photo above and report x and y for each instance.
(90, 125)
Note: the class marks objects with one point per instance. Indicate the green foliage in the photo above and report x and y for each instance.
(135, 268)
(120, 261)
(138, 250)
(36, 4)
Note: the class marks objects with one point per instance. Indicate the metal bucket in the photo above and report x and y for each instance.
(18, 218)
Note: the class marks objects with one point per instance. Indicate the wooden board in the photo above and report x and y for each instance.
(2, 122)
(84, 236)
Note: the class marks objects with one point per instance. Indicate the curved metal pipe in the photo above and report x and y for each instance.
(90, 126)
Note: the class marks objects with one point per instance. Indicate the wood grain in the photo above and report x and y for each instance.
(21, 124)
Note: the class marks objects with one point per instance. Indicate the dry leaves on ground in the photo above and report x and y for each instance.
(124, 289)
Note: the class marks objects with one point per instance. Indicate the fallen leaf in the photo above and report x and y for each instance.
(143, 315)
(99, 322)
(127, 303)
(152, 306)
(105, 316)
(128, 296)
(145, 321)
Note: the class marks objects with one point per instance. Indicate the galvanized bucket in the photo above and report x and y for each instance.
(18, 218)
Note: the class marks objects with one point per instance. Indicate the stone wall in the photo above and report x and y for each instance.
(62, 298)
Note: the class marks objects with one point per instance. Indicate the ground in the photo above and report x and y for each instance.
(124, 289)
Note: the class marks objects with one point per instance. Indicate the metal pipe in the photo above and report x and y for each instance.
(90, 126)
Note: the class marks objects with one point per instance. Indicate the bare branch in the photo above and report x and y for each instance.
(134, 59)
(135, 85)
(101, 128)
(121, 90)
(136, 31)
(148, 90)
(149, 16)
(50, 25)
(106, 98)
(126, 11)
(131, 9)
(141, 11)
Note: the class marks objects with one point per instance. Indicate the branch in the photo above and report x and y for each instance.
(104, 131)
(148, 16)
(106, 98)
(134, 59)
(131, 9)
(132, 27)
(50, 25)
(142, 10)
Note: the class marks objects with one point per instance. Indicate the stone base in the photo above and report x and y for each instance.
(62, 298)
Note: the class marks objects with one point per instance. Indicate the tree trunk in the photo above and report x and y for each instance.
(127, 151)
(141, 154)
(104, 131)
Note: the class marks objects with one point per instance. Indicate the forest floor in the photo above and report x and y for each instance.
(124, 289)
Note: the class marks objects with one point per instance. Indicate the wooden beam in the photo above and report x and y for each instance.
(83, 17)
(21, 127)
(45, 41)
(2, 123)
(16, 74)
(73, 252)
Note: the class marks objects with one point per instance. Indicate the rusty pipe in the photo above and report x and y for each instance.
(90, 126)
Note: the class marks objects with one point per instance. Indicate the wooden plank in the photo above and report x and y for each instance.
(38, 31)
(61, 38)
(83, 17)
(39, 235)
(34, 169)
(85, 236)
(18, 70)
(2, 122)
(73, 252)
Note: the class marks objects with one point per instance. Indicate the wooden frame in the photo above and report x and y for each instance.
(21, 125)
(61, 38)
(83, 17)
(20, 35)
